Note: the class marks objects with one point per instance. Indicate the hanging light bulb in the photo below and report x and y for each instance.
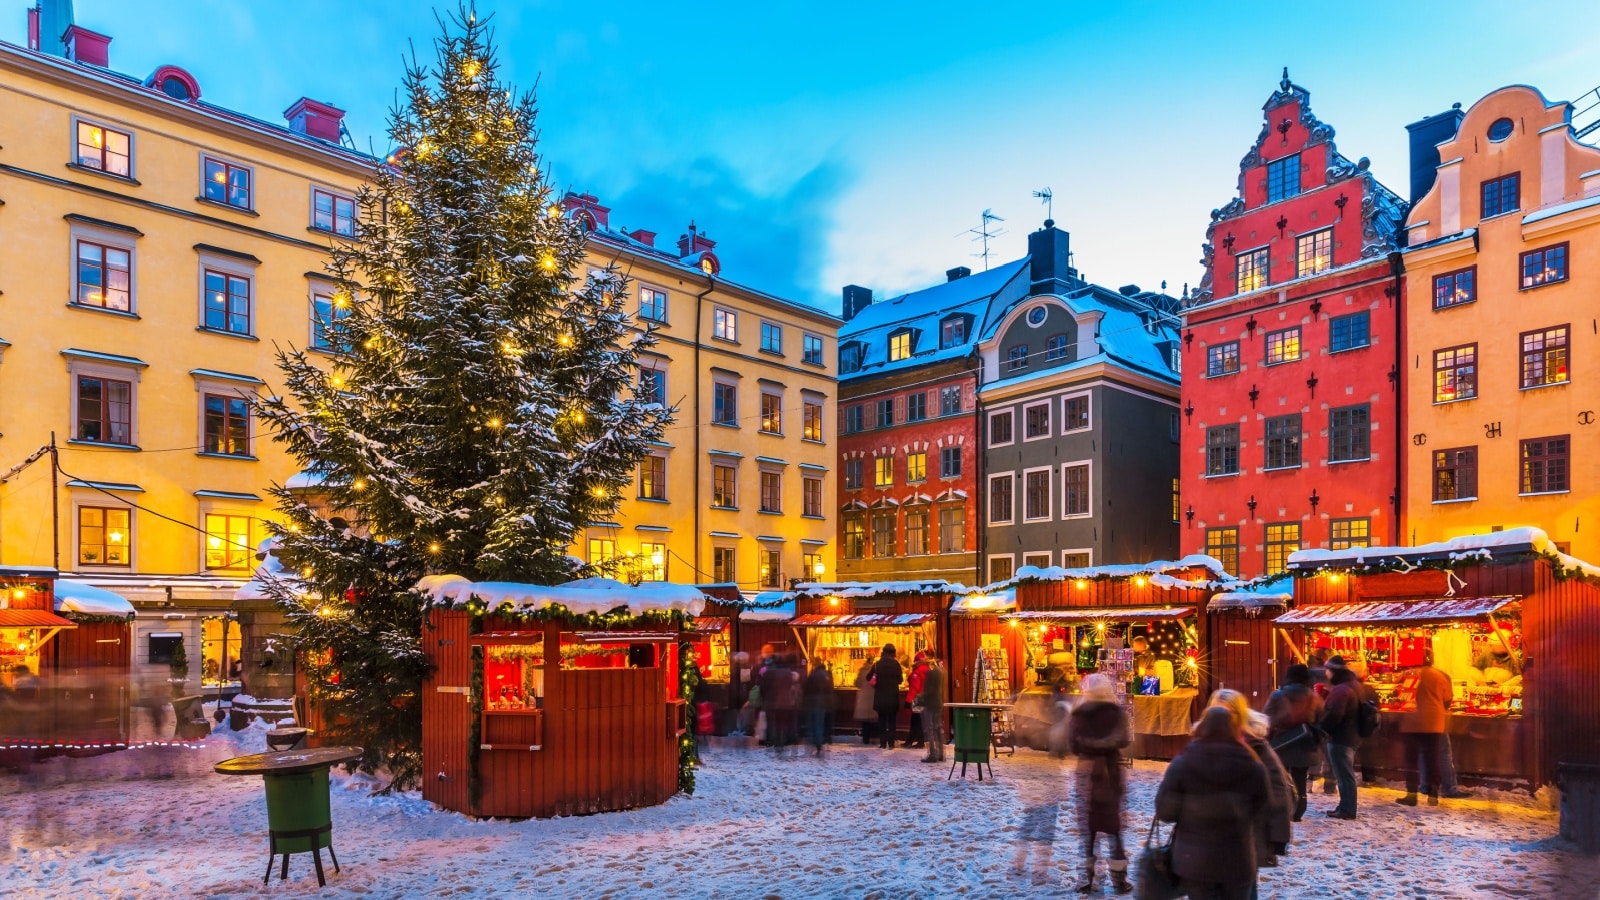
(547, 262)
(359, 484)
(433, 547)
(494, 423)
(577, 416)
(480, 137)
(338, 381)
(471, 68)
(564, 340)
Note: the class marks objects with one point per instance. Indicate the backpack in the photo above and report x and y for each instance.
(1367, 718)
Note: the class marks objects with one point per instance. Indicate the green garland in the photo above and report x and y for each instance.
(688, 682)
(90, 618)
(1394, 563)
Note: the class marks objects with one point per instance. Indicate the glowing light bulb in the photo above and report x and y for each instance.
(833, 601)
(554, 211)
(19, 593)
(494, 423)
(359, 484)
(471, 68)
(341, 299)
(219, 177)
(1140, 581)
(577, 416)
(599, 491)
(479, 137)
(656, 559)
(306, 572)
(1080, 584)
(548, 263)
(294, 529)
(565, 340)
(818, 569)
(338, 381)
(433, 547)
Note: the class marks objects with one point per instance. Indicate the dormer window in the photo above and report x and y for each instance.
(1017, 357)
(1283, 178)
(708, 264)
(850, 357)
(900, 345)
(952, 332)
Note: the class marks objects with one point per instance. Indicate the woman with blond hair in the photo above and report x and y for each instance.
(1273, 829)
(1098, 732)
(1215, 792)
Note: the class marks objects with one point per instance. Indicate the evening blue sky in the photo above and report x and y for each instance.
(829, 143)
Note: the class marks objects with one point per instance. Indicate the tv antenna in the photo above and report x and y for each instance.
(1047, 197)
(984, 232)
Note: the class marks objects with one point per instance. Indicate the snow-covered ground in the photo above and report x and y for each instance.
(861, 823)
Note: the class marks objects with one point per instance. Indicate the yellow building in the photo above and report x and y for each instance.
(741, 489)
(1503, 396)
(154, 251)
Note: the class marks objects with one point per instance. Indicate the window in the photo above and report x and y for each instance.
(1455, 373)
(811, 565)
(1544, 357)
(853, 474)
(227, 425)
(1075, 559)
(916, 467)
(917, 531)
(104, 277)
(1501, 195)
(1036, 421)
(771, 568)
(1173, 432)
(950, 462)
(999, 568)
(952, 332)
(771, 413)
(916, 407)
(1177, 499)
(653, 478)
(103, 536)
(952, 528)
(227, 183)
(811, 350)
(949, 400)
(771, 337)
(1546, 266)
(104, 149)
(1455, 288)
(1282, 539)
(1283, 178)
(811, 497)
(1544, 465)
(1283, 346)
(1222, 450)
(1222, 359)
(1349, 433)
(653, 386)
(1250, 270)
(1347, 533)
(1017, 357)
(1455, 474)
(724, 404)
(1222, 544)
(771, 492)
(899, 346)
(1075, 413)
(1283, 442)
(227, 302)
(105, 410)
(1000, 429)
(853, 419)
(1001, 507)
(850, 358)
(722, 567)
(811, 420)
(332, 212)
(652, 304)
(1075, 490)
(228, 543)
(885, 413)
(654, 561)
(883, 534)
(724, 324)
(725, 486)
(1349, 332)
(162, 647)
(1313, 252)
(883, 471)
(1036, 494)
(1056, 347)
(329, 330)
(855, 537)
(1037, 315)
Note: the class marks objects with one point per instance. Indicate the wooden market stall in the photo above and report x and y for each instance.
(552, 701)
(1514, 622)
(1242, 651)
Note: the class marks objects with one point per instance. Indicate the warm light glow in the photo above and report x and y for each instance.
(599, 491)
(19, 593)
(1335, 577)
(306, 572)
(1192, 663)
(1080, 584)
(359, 484)
(471, 68)
(833, 601)
(577, 416)
(494, 423)
(548, 263)
(1101, 628)
(215, 542)
(324, 611)
(341, 299)
(565, 340)
(1013, 623)
(1140, 581)
(294, 529)
(433, 547)
(657, 558)
(554, 211)
(114, 537)
(818, 569)
(338, 381)
(220, 176)
(479, 137)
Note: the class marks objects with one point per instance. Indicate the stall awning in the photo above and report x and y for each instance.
(709, 625)
(1395, 612)
(624, 637)
(862, 620)
(1104, 614)
(32, 618)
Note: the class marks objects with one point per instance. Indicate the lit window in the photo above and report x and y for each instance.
(1282, 539)
(1283, 178)
(228, 542)
(917, 531)
(899, 346)
(1222, 359)
(103, 536)
(1455, 288)
(952, 528)
(883, 471)
(1347, 533)
(653, 478)
(1544, 465)
(1313, 252)
(724, 486)
(811, 565)
(227, 425)
(1455, 474)
(1455, 373)
(105, 410)
(1222, 544)
(855, 537)
(883, 529)
(227, 183)
(1283, 346)
(227, 303)
(652, 304)
(916, 467)
(916, 406)
(653, 565)
(722, 565)
(104, 277)
(1544, 357)
(771, 568)
(602, 550)
(1250, 270)
(811, 425)
(1177, 498)
(104, 149)
(771, 414)
(724, 324)
(333, 213)
(1544, 266)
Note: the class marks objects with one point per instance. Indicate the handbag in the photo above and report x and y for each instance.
(1300, 737)
(1157, 881)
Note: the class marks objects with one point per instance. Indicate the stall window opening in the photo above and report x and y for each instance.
(513, 675)
(580, 653)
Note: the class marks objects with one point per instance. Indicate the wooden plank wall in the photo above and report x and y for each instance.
(1240, 655)
(97, 646)
(965, 639)
(446, 716)
(1561, 652)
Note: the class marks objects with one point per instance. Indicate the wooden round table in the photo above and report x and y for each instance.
(299, 818)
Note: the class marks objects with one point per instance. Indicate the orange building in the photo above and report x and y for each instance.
(1503, 387)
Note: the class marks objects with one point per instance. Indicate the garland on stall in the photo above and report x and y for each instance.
(475, 710)
(1560, 567)
(688, 683)
(92, 618)
(619, 619)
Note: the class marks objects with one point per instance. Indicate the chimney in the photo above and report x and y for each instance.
(1049, 260)
(647, 238)
(856, 298)
(1426, 136)
(957, 273)
(87, 47)
(694, 243)
(314, 119)
(48, 22)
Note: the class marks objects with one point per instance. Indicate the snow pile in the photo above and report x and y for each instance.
(1157, 572)
(1255, 595)
(269, 573)
(587, 595)
(853, 590)
(1464, 548)
(769, 606)
(984, 602)
(88, 600)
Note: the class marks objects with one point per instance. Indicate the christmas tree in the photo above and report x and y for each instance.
(480, 410)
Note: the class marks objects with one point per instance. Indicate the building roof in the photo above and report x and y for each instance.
(1131, 332)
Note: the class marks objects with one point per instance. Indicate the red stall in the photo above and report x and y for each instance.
(552, 701)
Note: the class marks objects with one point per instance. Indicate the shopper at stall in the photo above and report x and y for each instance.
(1423, 732)
(817, 700)
(1341, 721)
(931, 699)
(1292, 714)
(919, 671)
(864, 698)
(1144, 662)
(1214, 791)
(1273, 829)
(887, 677)
(1098, 733)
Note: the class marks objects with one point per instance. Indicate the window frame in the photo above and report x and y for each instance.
(952, 331)
(883, 472)
(855, 473)
(725, 564)
(945, 455)
(107, 425)
(1284, 340)
(925, 512)
(1217, 450)
(1087, 465)
(1450, 284)
(1218, 353)
(1351, 429)
(103, 505)
(1349, 541)
(771, 499)
(811, 497)
(725, 404)
(881, 539)
(1220, 550)
(813, 350)
(952, 535)
(1499, 183)
(724, 484)
(209, 393)
(724, 324)
(1010, 560)
(1009, 479)
(916, 466)
(228, 168)
(1462, 464)
(1044, 433)
(1279, 546)
(1544, 354)
(1362, 315)
(900, 345)
(229, 270)
(325, 293)
(1544, 253)
(916, 406)
(100, 241)
(1087, 413)
(1009, 415)
(883, 413)
(1277, 170)
(1259, 269)
(653, 484)
(1056, 347)
(853, 535)
(653, 307)
(811, 412)
(1284, 442)
(771, 337)
(855, 418)
(333, 213)
(245, 553)
(1525, 485)
(946, 408)
(1016, 357)
(80, 122)
(771, 412)
(1457, 369)
(1321, 235)
(1048, 493)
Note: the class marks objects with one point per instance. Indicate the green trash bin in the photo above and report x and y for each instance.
(974, 726)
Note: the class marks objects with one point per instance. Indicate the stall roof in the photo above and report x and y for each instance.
(587, 595)
(1252, 596)
(986, 603)
(773, 606)
(1511, 542)
(1157, 571)
(32, 618)
(862, 620)
(1104, 614)
(88, 600)
(1395, 612)
(709, 625)
(859, 589)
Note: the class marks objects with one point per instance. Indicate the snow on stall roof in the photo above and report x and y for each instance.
(1467, 547)
(88, 600)
(984, 601)
(1253, 595)
(586, 595)
(770, 606)
(861, 589)
(1156, 570)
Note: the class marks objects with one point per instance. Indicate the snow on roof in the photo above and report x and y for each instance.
(1549, 212)
(985, 602)
(1510, 542)
(270, 572)
(923, 311)
(88, 600)
(1156, 571)
(306, 480)
(769, 606)
(860, 589)
(587, 595)
(1255, 595)
(1124, 336)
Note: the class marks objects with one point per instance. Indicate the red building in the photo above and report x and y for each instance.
(1292, 358)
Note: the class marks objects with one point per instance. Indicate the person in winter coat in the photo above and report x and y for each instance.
(1273, 830)
(1423, 732)
(919, 671)
(1098, 732)
(817, 700)
(931, 699)
(1215, 792)
(886, 679)
(864, 696)
(1340, 721)
(1288, 709)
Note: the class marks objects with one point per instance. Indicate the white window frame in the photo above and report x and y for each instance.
(311, 208)
(988, 564)
(725, 324)
(230, 388)
(226, 508)
(86, 496)
(1087, 397)
(133, 148)
(95, 368)
(227, 265)
(1033, 558)
(207, 156)
(989, 425)
(665, 303)
(1049, 412)
(1088, 464)
(1010, 476)
(1086, 551)
(1049, 494)
(109, 237)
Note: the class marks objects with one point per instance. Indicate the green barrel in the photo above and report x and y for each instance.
(972, 734)
(297, 802)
